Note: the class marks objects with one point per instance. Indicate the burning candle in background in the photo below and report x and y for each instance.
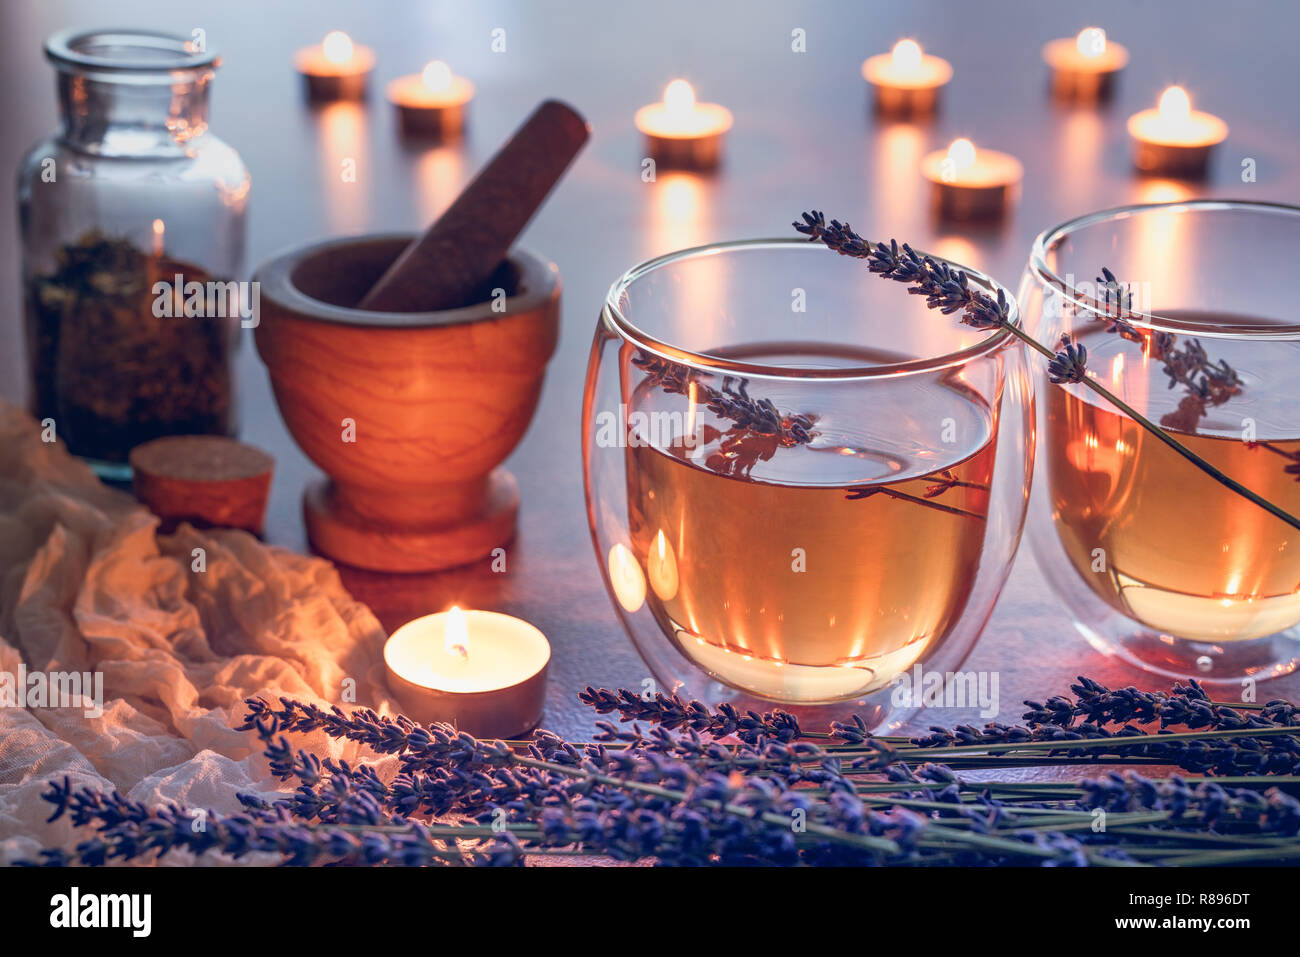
(969, 183)
(681, 132)
(1083, 68)
(159, 234)
(481, 671)
(431, 103)
(1174, 139)
(906, 81)
(336, 69)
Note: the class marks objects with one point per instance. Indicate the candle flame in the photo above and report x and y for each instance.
(437, 76)
(907, 56)
(456, 636)
(1117, 369)
(961, 154)
(1175, 105)
(337, 46)
(159, 229)
(1091, 42)
(679, 98)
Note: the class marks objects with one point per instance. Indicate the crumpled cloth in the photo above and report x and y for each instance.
(88, 585)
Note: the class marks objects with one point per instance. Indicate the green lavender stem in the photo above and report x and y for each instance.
(1089, 744)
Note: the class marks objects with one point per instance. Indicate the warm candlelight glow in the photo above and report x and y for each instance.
(342, 138)
(1162, 191)
(679, 100)
(961, 155)
(679, 213)
(433, 651)
(158, 232)
(456, 638)
(626, 577)
(336, 68)
(1084, 67)
(1091, 42)
(1174, 139)
(337, 46)
(437, 76)
(662, 564)
(431, 103)
(907, 56)
(439, 176)
(497, 691)
(970, 183)
(681, 131)
(897, 153)
(906, 80)
(1175, 106)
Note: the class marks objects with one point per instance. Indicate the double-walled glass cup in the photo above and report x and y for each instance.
(1158, 561)
(801, 482)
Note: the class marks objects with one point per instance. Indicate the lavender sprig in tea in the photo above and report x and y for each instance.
(949, 290)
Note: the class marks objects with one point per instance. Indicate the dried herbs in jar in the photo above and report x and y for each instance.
(113, 363)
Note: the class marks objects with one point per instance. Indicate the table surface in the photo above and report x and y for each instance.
(803, 138)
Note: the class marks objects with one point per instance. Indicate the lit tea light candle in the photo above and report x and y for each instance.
(970, 183)
(335, 69)
(1084, 68)
(1174, 139)
(906, 81)
(431, 103)
(681, 132)
(481, 671)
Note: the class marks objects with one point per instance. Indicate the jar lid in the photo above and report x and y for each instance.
(128, 51)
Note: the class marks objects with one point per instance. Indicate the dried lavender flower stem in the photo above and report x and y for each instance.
(949, 291)
(1178, 447)
(834, 834)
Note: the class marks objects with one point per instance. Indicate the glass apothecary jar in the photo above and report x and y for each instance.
(133, 219)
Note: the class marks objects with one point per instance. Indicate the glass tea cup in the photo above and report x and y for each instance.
(801, 482)
(1157, 561)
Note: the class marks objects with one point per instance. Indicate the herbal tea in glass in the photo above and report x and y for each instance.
(1116, 489)
(1160, 560)
(798, 506)
(727, 517)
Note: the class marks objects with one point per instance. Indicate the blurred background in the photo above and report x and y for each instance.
(804, 137)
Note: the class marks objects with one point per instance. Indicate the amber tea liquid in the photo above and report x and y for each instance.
(766, 570)
(1149, 533)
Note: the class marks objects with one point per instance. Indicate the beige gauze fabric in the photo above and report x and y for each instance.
(86, 585)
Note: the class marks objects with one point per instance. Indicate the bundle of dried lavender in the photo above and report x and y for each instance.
(707, 786)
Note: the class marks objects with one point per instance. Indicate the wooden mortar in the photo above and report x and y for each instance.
(437, 401)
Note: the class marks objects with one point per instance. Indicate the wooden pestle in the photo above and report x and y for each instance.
(452, 262)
